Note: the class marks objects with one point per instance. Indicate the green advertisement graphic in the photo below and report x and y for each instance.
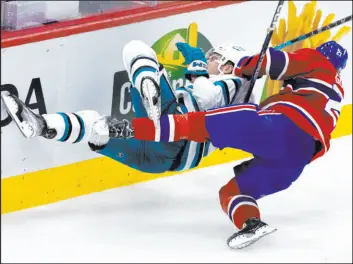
(168, 54)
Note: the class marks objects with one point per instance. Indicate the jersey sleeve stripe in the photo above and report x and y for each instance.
(278, 64)
(225, 91)
(329, 91)
(237, 84)
(231, 85)
(285, 66)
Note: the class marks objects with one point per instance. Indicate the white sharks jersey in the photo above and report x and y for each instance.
(204, 94)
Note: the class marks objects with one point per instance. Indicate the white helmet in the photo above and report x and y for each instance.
(227, 52)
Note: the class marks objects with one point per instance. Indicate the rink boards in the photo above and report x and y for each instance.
(83, 70)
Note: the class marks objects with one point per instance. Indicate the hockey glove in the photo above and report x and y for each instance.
(195, 60)
(238, 71)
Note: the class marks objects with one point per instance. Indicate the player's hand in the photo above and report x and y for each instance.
(191, 53)
(238, 71)
(195, 60)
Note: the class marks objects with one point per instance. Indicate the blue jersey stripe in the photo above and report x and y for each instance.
(224, 91)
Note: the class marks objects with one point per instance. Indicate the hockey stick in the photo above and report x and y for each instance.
(264, 49)
(313, 33)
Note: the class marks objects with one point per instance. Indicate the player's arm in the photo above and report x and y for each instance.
(280, 65)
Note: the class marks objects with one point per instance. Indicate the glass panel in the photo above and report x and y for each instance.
(17, 15)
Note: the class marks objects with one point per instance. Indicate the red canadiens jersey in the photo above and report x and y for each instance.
(312, 91)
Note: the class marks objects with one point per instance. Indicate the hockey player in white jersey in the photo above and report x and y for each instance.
(211, 85)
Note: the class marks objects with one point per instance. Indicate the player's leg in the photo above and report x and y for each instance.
(83, 126)
(141, 63)
(167, 97)
(147, 156)
(239, 197)
(258, 178)
(266, 134)
(243, 211)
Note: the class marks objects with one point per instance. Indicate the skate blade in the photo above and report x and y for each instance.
(153, 109)
(245, 242)
(12, 107)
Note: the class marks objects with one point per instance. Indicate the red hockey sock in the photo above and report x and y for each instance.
(189, 126)
(238, 207)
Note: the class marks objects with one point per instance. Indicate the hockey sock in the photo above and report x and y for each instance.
(69, 127)
(172, 128)
(72, 127)
(238, 207)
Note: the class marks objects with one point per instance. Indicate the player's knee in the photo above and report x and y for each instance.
(287, 180)
(279, 183)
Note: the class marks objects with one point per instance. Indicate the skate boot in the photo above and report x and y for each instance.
(29, 123)
(151, 95)
(116, 129)
(253, 229)
(120, 129)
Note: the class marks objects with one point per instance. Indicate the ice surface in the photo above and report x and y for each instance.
(178, 219)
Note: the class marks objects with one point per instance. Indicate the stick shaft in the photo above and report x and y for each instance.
(263, 50)
(315, 32)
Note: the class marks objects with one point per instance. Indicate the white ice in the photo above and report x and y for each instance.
(178, 219)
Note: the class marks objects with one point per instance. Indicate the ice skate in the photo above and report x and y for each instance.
(120, 129)
(151, 95)
(253, 229)
(29, 123)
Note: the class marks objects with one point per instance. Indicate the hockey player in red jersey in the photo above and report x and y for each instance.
(284, 133)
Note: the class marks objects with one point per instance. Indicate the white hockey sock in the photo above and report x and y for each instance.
(69, 127)
(78, 127)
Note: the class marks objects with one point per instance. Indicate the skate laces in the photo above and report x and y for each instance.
(120, 129)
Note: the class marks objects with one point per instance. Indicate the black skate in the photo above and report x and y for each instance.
(253, 229)
(151, 95)
(29, 123)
